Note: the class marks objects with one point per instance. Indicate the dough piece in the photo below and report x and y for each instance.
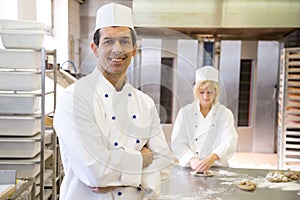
(276, 177)
(203, 174)
(294, 175)
(247, 185)
(282, 176)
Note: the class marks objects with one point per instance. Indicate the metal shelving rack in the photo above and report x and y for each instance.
(44, 194)
(49, 154)
(289, 110)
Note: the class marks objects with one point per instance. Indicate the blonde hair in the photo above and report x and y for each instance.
(205, 84)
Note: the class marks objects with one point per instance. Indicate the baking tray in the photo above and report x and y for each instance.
(26, 168)
(20, 147)
(20, 59)
(12, 24)
(22, 39)
(20, 80)
(19, 125)
(22, 103)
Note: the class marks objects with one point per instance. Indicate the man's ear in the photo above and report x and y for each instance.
(94, 49)
(134, 50)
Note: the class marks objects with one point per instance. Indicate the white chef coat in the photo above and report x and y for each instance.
(101, 132)
(197, 136)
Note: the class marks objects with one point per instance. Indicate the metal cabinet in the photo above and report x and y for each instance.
(28, 144)
(289, 110)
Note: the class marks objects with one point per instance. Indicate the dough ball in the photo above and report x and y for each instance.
(203, 174)
(247, 185)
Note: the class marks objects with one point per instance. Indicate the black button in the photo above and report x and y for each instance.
(113, 117)
(129, 94)
(139, 189)
(119, 193)
(116, 143)
(137, 141)
(106, 95)
(197, 152)
(133, 116)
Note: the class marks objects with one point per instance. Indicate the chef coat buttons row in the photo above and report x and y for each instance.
(137, 141)
(138, 189)
(114, 117)
(106, 95)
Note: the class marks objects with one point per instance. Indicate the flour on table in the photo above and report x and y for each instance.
(226, 173)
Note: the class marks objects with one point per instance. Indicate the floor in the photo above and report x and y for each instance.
(254, 160)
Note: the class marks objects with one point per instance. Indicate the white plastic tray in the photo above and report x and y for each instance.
(20, 59)
(20, 80)
(19, 104)
(20, 147)
(22, 39)
(19, 126)
(26, 168)
(11, 24)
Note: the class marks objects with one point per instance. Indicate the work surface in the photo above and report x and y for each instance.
(181, 185)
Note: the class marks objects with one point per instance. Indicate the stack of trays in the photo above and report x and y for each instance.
(20, 96)
(20, 144)
(19, 76)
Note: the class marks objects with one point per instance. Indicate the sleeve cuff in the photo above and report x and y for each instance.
(184, 160)
(132, 168)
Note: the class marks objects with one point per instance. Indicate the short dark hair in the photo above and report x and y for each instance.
(97, 36)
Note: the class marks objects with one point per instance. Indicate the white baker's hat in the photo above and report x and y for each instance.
(114, 14)
(207, 73)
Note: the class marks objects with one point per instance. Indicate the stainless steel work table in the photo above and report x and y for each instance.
(181, 185)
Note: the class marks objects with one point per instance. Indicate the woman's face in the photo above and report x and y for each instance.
(207, 96)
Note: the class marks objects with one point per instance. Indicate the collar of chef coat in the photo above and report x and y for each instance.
(104, 85)
(203, 124)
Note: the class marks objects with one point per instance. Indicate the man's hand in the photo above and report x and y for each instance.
(147, 156)
(103, 189)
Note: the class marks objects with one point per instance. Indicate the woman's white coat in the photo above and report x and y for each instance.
(196, 136)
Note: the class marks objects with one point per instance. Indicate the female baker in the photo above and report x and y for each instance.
(204, 134)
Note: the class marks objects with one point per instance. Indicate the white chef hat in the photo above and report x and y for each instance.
(114, 14)
(207, 73)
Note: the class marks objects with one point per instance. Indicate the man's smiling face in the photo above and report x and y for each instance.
(115, 50)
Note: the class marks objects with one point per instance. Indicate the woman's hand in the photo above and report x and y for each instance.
(194, 162)
(204, 164)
